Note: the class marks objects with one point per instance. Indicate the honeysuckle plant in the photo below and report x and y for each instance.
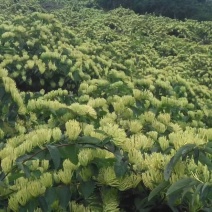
(99, 112)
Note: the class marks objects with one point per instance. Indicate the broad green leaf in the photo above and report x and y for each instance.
(156, 191)
(70, 152)
(42, 203)
(15, 176)
(2, 176)
(173, 198)
(2, 92)
(208, 150)
(120, 168)
(206, 192)
(87, 188)
(6, 98)
(106, 141)
(89, 140)
(25, 169)
(13, 112)
(180, 184)
(102, 162)
(206, 209)
(182, 151)
(170, 166)
(55, 155)
(50, 195)
(197, 192)
(30, 206)
(205, 160)
(196, 155)
(36, 173)
(41, 154)
(209, 144)
(142, 204)
(22, 158)
(64, 195)
(62, 111)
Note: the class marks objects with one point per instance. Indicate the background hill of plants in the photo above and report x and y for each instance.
(103, 111)
(178, 9)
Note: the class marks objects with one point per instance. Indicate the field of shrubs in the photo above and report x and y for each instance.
(103, 111)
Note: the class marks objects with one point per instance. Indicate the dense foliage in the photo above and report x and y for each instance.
(180, 9)
(103, 111)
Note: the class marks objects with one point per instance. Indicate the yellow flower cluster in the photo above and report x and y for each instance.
(64, 175)
(135, 126)
(41, 104)
(107, 176)
(55, 93)
(8, 35)
(85, 156)
(73, 129)
(179, 139)
(74, 207)
(1, 134)
(108, 118)
(152, 177)
(110, 200)
(83, 110)
(41, 165)
(98, 102)
(18, 146)
(10, 87)
(28, 189)
(115, 132)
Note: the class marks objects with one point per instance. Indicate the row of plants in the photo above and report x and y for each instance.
(104, 111)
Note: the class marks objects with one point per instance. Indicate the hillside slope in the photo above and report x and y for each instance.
(105, 108)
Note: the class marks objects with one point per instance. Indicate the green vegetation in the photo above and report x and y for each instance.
(103, 111)
(180, 9)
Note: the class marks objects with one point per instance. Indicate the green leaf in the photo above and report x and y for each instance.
(89, 140)
(87, 188)
(102, 162)
(25, 169)
(22, 158)
(181, 152)
(171, 201)
(120, 168)
(106, 141)
(197, 192)
(2, 92)
(55, 155)
(142, 204)
(36, 173)
(156, 191)
(205, 160)
(13, 112)
(50, 195)
(2, 176)
(64, 195)
(206, 185)
(206, 191)
(206, 209)
(15, 176)
(30, 206)
(70, 152)
(41, 155)
(62, 111)
(42, 203)
(180, 185)
(208, 150)
(209, 144)
(170, 166)
(196, 155)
